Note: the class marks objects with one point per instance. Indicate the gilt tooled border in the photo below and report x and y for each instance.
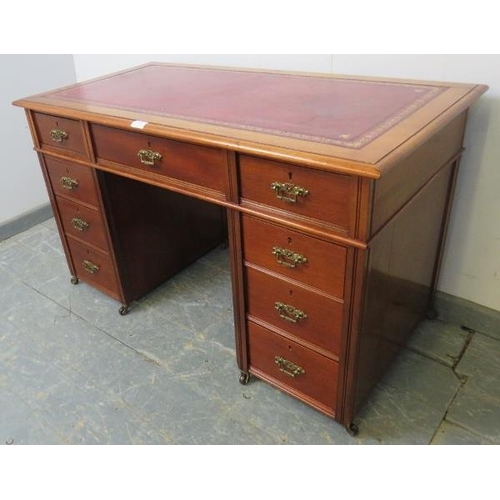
(358, 142)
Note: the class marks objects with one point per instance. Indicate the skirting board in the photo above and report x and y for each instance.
(465, 313)
(25, 221)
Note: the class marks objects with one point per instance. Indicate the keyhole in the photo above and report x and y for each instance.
(289, 240)
(290, 292)
(67, 170)
(57, 124)
(149, 145)
(289, 347)
(290, 176)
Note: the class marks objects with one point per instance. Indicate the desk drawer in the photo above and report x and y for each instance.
(267, 245)
(93, 267)
(71, 180)
(82, 222)
(185, 162)
(296, 310)
(291, 367)
(60, 134)
(325, 196)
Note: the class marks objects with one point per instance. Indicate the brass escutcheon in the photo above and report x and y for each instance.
(58, 135)
(69, 183)
(148, 156)
(79, 224)
(288, 367)
(90, 267)
(288, 258)
(288, 192)
(289, 313)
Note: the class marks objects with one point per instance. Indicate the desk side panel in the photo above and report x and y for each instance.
(397, 284)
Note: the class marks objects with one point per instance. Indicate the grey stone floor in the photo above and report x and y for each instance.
(73, 371)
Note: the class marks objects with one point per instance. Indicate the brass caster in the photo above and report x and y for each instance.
(74, 280)
(353, 429)
(244, 378)
(123, 310)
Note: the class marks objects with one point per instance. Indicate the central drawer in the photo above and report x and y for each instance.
(200, 165)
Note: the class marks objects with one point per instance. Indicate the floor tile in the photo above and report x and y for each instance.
(50, 223)
(441, 341)
(395, 416)
(477, 411)
(42, 240)
(450, 434)
(481, 358)
(81, 412)
(20, 424)
(17, 260)
(425, 380)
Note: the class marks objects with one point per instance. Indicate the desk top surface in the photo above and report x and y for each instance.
(345, 119)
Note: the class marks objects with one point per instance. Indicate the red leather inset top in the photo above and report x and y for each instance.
(345, 112)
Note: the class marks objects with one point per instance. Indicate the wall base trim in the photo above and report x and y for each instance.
(465, 313)
(25, 221)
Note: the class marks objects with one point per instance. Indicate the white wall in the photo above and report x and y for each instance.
(471, 266)
(22, 188)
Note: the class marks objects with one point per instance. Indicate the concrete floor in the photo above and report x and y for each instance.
(73, 371)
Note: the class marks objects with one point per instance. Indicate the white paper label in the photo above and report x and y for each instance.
(138, 124)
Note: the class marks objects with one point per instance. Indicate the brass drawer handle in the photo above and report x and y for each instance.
(79, 224)
(288, 367)
(289, 313)
(69, 183)
(288, 192)
(90, 267)
(58, 135)
(288, 258)
(148, 156)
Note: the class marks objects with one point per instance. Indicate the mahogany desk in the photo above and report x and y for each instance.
(335, 192)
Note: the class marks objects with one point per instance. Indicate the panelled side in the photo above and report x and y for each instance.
(396, 279)
(394, 189)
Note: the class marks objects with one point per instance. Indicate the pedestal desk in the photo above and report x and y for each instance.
(333, 192)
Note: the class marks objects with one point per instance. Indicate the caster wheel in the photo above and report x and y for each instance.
(74, 280)
(123, 310)
(244, 378)
(352, 430)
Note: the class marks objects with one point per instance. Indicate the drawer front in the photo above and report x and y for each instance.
(82, 222)
(60, 134)
(283, 251)
(325, 196)
(93, 267)
(71, 180)
(185, 162)
(294, 309)
(293, 367)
